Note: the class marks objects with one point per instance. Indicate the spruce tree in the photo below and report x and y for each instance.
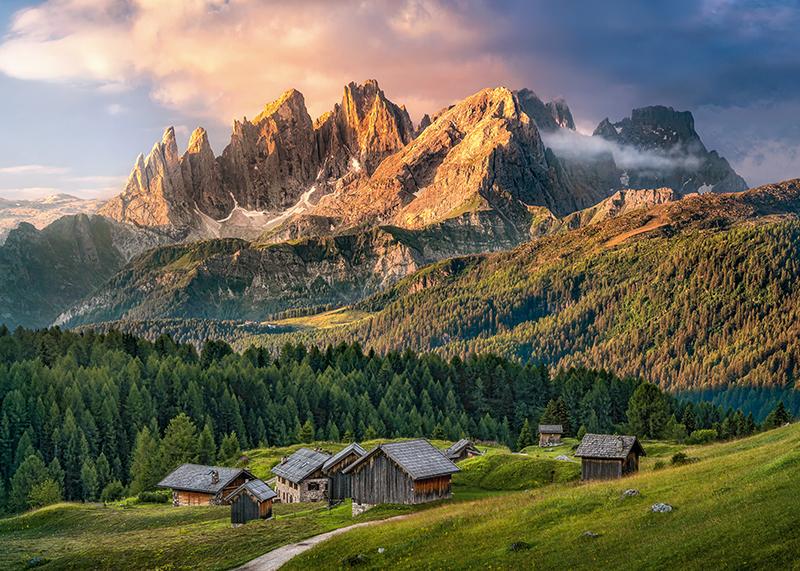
(648, 411)
(89, 489)
(206, 447)
(30, 473)
(306, 432)
(44, 493)
(229, 450)
(179, 444)
(146, 464)
(103, 469)
(778, 417)
(525, 438)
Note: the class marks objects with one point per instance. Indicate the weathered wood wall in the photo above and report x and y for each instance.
(183, 498)
(600, 468)
(339, 485)
(549, 439)
(381, 481)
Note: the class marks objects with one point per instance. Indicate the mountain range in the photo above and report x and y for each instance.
(491, 225)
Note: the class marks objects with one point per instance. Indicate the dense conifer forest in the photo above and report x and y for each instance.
(85, 415)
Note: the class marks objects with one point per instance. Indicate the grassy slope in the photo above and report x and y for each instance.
(735, 508)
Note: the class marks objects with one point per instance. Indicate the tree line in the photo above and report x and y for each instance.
(86, 415)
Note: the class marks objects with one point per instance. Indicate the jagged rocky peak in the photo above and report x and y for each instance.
(362, 130)
(684, 163)
(424, 123)
(155, 194)
(202, 177)
(482, 154)
(547, 116)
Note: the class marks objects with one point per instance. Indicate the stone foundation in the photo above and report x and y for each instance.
(359, 509)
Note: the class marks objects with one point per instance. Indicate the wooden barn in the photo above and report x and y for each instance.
(198, 485)
(608, 456)
(411, 472)
(461, 450)
(338, 481)
(300, 477)
(550, 434)
(252, 500)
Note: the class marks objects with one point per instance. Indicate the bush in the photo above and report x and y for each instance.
(160, 497)
(659, 465)
(113, 492)
(703, 436)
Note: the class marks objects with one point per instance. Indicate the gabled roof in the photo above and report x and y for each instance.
(459, 447)
(260, 490)
(355, 447)
(418, 458)
(608, 446)
(300, 465)
(197, 478)
(551, 429)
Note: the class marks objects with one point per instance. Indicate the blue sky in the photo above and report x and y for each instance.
(86, 86)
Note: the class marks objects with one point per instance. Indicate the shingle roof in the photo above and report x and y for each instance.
(300, 465)
(551, 429)
(197, 478)
(418, 458)
(257, 487)
(456, 448)
(608, 446)
(343, 453)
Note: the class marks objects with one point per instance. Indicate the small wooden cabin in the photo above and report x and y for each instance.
(338, 481)
(252, 500)
(462, 450)
(198, 485)
(411, 472)
(608, 456)
(550, 434)
(300, 477)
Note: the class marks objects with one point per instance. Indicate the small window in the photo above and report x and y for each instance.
(313, 486)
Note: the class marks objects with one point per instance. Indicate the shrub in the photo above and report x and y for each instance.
(703, 436)
(159, 497)
(659, 465)
(113, 492)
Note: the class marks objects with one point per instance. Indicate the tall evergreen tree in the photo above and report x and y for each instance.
(206, 447)
(146, 464)
(525, 438)
(179, 444)
(648, 411)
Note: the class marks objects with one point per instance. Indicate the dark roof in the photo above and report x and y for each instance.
(300, 465)
(257, 487)
(343, 453)
(197, 478)
(608, 446)
(459, 447)
(551, 429)
(418, 458)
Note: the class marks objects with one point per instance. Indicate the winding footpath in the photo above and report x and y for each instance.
(277, 557)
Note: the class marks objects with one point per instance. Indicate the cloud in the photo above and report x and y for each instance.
(32, 169)
(114, 109)
(572, 145)
(220, 59)
(28, 192)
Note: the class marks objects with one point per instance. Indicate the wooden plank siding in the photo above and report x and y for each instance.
(380, 481)
(600, 468)
(184, 498)
(339, 485)
(245, 508)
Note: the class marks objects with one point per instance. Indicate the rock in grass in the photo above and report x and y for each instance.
(661, 508)
(629, 493)
(591, 534)
(519, 546)
(354, 560)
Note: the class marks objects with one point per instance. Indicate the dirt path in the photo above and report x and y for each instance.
(277, 557)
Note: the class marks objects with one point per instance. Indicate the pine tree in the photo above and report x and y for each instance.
(30, 474)
(206, 447)
(306, 432)
(229, 450)
(179, 444)
(525, 438)
(648, 411)
(44, 493)
(103, 471)
(778, 417)
(88, 481)
(146, 464)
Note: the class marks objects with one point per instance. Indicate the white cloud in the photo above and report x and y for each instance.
(569, 144)
(32, 169)
(114, 109)
(221, 59)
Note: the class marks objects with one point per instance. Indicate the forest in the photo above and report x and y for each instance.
(88, 415)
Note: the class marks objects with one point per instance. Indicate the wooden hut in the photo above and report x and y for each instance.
(338, 481)
(550, 434)
(252, 500)
(461, 450)
(411, 472)
(198, 485)
(300, 477)
(607, 456)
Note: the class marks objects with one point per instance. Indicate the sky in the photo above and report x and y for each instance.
(86, 85)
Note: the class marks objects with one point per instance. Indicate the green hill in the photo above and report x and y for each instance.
(734, 507)
(690, 294)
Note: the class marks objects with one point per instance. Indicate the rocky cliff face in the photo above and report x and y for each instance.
(688, 165)
(548, 116)
(273, 163)
(41, 212)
